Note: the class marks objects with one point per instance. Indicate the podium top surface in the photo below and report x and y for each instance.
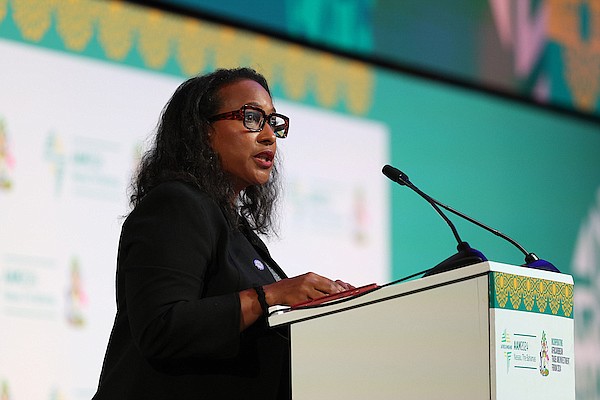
(282, 315)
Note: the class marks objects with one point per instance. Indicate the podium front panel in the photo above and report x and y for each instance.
(532, 345)
(487, 331)
(433, 344)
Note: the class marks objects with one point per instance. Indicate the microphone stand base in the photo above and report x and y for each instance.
(464, 257)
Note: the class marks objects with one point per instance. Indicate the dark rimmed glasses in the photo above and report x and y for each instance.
(254, 119)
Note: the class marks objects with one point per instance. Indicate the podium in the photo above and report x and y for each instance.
(486, 331)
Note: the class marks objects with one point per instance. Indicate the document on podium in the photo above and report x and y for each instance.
(335, 296)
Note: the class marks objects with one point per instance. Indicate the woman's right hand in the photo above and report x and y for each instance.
(287, 291)
(301, 288)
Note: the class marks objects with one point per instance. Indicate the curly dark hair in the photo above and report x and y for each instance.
(181, 151)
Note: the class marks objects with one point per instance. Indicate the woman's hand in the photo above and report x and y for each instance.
(288, 291)
(301, 288)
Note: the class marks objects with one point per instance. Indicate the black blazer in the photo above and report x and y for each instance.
(176, 332)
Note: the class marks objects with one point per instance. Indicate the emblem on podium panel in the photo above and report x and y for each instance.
(544, 357)
(7, 161)
(506, 347)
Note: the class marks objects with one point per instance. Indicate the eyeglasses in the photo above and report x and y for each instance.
(254, 119)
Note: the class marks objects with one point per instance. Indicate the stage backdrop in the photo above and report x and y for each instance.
(82, 85)
(548, 50)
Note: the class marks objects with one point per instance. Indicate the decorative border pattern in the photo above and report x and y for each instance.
(524, 293)
(155, 40)
(581, 54)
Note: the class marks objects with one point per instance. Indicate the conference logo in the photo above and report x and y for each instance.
(7, 161)
(97, 168)
(56, 394)
(76, 296)
(5, 391)
(506, 346)
(544, 356)
(55, 156)
(85, 167)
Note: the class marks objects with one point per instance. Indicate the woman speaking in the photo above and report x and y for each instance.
(194, 280)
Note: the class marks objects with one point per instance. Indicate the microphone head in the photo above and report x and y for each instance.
(395, 175)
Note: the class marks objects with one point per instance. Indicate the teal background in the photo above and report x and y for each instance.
(523, 170)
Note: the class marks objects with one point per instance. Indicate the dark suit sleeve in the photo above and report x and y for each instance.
(169, 243)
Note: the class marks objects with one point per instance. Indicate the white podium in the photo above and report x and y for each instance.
(486, 331)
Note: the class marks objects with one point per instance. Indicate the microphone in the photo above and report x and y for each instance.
(531, 260)
(465, 255)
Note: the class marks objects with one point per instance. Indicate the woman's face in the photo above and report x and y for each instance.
(247, 156)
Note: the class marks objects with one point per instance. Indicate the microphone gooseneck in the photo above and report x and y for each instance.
(465, 255)
(399, 177)
(531, 260)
